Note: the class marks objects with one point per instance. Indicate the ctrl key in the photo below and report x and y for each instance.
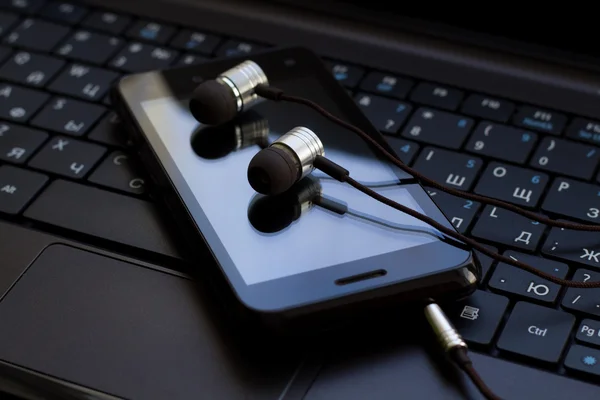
(583, 359)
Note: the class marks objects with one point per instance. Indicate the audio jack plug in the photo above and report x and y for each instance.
(456, 348)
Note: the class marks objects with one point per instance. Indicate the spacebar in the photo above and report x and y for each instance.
(102, 214)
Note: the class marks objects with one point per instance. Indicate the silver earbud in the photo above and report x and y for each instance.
(242, 79)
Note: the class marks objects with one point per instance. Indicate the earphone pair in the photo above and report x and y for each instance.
(293, 156)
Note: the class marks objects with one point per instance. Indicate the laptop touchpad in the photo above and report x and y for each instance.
(126, 330)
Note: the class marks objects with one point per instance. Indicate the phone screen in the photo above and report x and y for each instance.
(295, 248)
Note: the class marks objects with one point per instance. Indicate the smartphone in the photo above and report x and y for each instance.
(320, 249)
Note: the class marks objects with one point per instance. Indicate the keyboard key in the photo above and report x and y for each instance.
(502, 142)
(404, 149)
(99, 213)
(19, 104)
(557, 155)
(437, 96)
(7, 21)
(477, 317)
(583, 301)
(71, 117)
(36, 34)
(438, 128)
(30, 69)
(137, 57)
(486, 107)
(111, 131)
(386, 84)
(347, 75)
(516, 281)
(150, 31)
(584, 360)
(500, 226)
(18, 187)
(573, 199)
(459, 211)
(540, 120)
(385, 114)
(573, 246)
(584, 130)
(191, 59)
(85, 82)
(537, 332)
(108, 22)
(89, 46)
(521, 186)
(63, 11)
(195, 42)
(18, 143)
(233, 48)
(448, 168)
(119, 172)
(589, 332)
(68, 157)
(23, 6)
(486, 263)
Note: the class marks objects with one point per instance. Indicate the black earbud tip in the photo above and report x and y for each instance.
(272, 171)
(213, 103)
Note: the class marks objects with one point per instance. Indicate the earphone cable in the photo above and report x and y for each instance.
(275, 94)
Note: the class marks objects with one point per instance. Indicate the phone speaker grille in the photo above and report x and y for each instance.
(361, 277)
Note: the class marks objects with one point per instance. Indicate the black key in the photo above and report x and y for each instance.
(90, 46)
(100, 213)
(448, 168)
(119, 172)
(85, 82)
(7, 21)
(517, 185)
(589, 332)
(191, 59)
(437, 96)
(583, 301)
(137, 57)
(17, 143)
(460, 212)
(537, 332)
(502, 142)
(540, 120)
(347, 75)
(36, 34)
(17, 188)
(30, 68)
(68, 157)
(512, 280)
(505, 227)
(488, 108)
(477, 317)
(64, 11)
(195, 42)
(386, 115)
(583, 360)
(573, 246)
(567, 158)
(151, 31)
(438, 127)
(573, 199)
(110, 130)
(22, 6)
(386, 84)
(584, 130)
(486, 262)
(404, 149)
(68, 116)
(108, 22)
(19, 104)
(233, 48)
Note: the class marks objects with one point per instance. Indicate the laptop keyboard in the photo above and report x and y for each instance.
(64, 166)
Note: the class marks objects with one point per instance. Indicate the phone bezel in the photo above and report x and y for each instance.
(310, 288)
